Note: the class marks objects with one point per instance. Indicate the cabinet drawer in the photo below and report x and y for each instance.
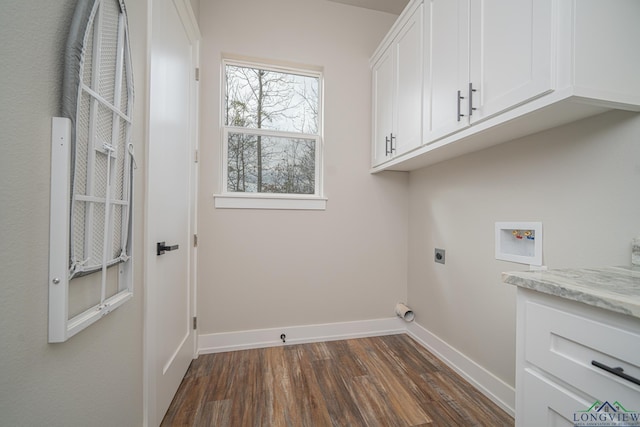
(564, 344)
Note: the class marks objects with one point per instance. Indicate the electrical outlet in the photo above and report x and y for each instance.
(439, 256)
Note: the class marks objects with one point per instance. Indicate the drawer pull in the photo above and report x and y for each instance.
(616, 371)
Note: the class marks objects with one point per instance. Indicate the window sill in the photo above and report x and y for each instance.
(271, 201)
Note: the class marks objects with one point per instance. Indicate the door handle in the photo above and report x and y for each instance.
(471, 108)
(161, 247)
(618, 371)
(460, 97)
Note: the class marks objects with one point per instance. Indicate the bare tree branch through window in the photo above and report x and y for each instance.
(272, 125)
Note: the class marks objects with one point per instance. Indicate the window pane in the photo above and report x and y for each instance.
(268, 164)
(264, 99)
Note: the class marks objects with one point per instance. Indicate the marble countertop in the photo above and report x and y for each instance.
(612, 288)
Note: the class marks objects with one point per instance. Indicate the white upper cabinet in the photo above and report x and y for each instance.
(510, 51)
(398, 73)
(486, 57)
(383, 100)
(448, 53)
(409, 71)
(606, 56)
(497, 70)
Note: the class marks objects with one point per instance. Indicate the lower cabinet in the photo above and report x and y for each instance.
(575, 363)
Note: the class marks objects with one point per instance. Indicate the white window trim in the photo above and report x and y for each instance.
(239, 200)
(269, 201)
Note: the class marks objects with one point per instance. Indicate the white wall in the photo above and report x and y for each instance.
(282, 268)
(580, 180)
(260, 269)
(195, 6)
(94, 379)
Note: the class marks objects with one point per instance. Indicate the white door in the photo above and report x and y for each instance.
(510, 53)
(382, 106)
(449, 58)
(409, 78)
(170, 215)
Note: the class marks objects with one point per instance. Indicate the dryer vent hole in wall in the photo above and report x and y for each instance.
(283, 337)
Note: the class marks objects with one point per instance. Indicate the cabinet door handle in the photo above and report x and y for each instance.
(471, 90)
(460, 97)
(392, 147)
(619, 372)
(386, 146)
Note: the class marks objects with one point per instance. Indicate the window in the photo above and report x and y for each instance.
(272, 137)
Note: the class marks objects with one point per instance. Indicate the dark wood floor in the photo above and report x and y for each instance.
(381, 381)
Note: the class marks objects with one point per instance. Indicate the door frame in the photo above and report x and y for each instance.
(190, 24)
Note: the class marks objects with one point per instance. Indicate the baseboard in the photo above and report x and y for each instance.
(258, 338)
(501, 393)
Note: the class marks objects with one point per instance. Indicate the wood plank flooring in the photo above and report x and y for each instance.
(380, 381)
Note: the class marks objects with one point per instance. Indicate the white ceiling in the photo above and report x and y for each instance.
(389, 6)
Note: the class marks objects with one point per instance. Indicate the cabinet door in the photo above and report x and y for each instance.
(542, 402)
(448, 55)
(382, 107)
(409, 55)
(510, 53)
